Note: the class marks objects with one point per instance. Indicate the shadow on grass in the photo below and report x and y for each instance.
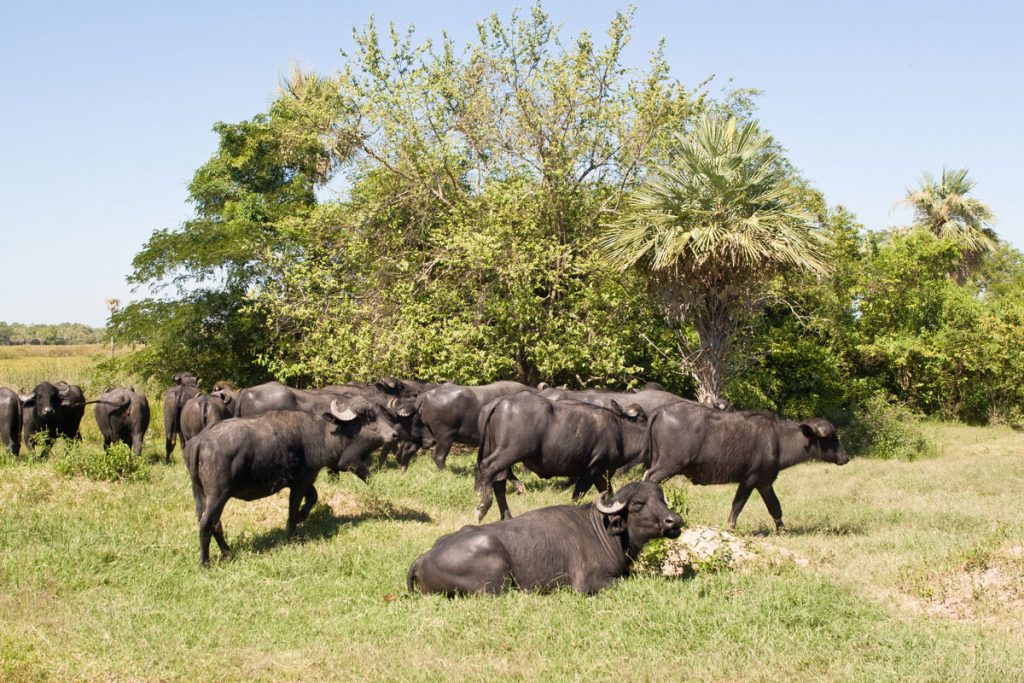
(323, 524)
(824, 528)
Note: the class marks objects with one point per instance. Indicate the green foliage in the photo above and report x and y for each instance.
(710, 229)
(76, 458)
(60, 334)
(883, 428)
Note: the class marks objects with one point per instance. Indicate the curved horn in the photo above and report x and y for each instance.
(616, 506)
(25, 398)
(819, 431)
(346, 415)
(542, 386)
(392, 402)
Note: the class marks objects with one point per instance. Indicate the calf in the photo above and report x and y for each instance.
(748, 448)
(585, 547)
(203, 411)
(252, 458)
(122, 415)
(185, 387)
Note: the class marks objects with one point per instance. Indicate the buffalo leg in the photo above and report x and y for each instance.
(137, 445)
(583, 483)
(771, 501)
(310, 500)
(404, 455)
(488, 470)
(519, 486)
(742, 493)
(441, 447)
(208, 523)
(498, 486)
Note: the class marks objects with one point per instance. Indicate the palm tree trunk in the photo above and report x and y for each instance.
(712, 323)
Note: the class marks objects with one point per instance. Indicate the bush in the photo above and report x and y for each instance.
(72, 458)
(884, 428)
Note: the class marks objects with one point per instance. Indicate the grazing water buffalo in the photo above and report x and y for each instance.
(585, 547)
(252, 458)
(203, 411)
(185, 387)
(52, 411)
(122, 414)
(710, 446)
(452, 413)
(10, 420)
(555, 438)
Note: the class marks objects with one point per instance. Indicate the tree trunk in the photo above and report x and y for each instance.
(712, 323)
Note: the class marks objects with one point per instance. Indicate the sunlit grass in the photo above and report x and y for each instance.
(101, 580)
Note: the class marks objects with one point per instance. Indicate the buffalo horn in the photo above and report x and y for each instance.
(392, 402)
(819, 431)
(616, 506)
(344, 415)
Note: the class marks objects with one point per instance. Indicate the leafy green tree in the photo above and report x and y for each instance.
(944, 208)
(466, 247)
(710, 229)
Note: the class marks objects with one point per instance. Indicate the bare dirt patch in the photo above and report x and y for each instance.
(990, 590)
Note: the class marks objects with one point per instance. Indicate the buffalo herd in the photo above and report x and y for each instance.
(252, 443)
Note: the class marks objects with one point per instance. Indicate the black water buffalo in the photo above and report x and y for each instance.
(748, 448)
(252, 458)
(269, 396)
(51, 411)
(227, 392)
(452, 413)
(585, 547)
(10, 420)
(185, 387)
(555, 438)
(202, 411)
(122, 414)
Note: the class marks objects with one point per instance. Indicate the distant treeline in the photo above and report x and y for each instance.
(12, 334)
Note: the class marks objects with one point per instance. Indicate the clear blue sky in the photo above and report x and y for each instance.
(107, 107)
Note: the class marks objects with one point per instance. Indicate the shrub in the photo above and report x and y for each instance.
(884, 428)
(72, 458)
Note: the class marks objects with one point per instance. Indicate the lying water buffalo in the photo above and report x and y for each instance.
(10, 420)
(185, 387)
(452, 413)
(252, 458)
(202, 411)
(555, 438)
(748, 448)
(584, 547)
(122, 414)
(51, 411)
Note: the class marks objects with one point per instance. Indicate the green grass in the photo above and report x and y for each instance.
(101, 580)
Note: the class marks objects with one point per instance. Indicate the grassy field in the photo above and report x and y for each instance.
(898, 571)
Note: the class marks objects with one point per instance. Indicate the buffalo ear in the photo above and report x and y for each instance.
(813, 430)
(405, 411)
(617, 523)
(226, 397)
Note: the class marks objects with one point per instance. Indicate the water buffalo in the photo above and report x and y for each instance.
(227, 392)
(252, 458)
(10, 420)
(555, 438)
(50, 411)
(269, 396)
(585, 547)
(185, 387)
(202, 411)
(122, 414)
(748, 448)
(452, 413)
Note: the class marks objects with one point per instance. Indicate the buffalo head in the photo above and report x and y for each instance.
(823, 441)
(639, 513)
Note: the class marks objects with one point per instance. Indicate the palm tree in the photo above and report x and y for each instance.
(709, 230)
(943, 208)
